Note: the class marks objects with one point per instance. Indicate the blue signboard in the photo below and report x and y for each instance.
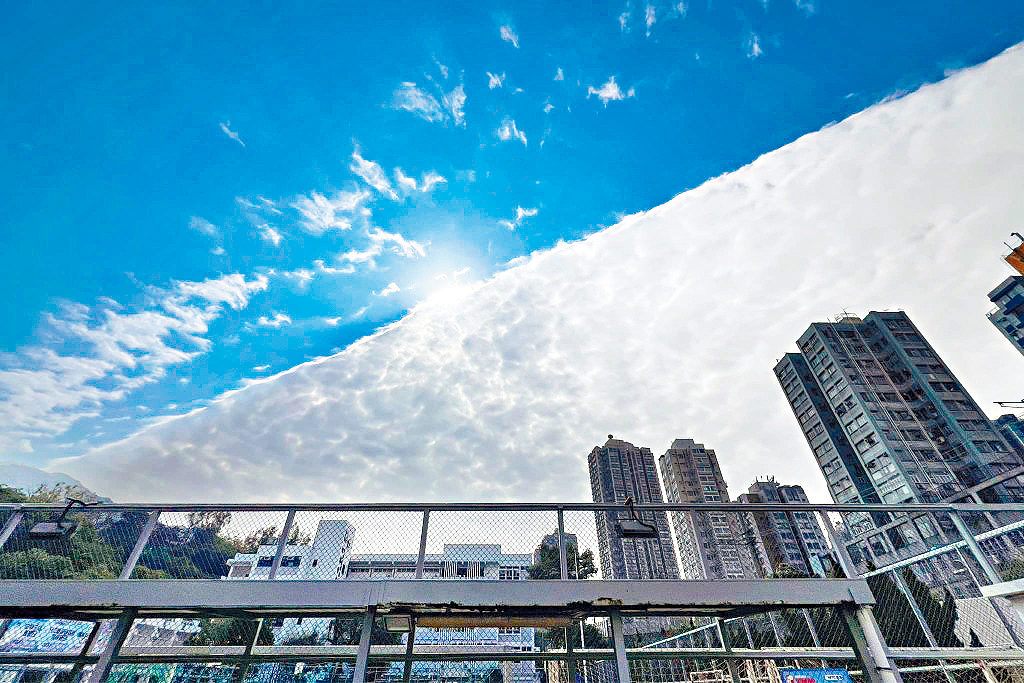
(816, 676)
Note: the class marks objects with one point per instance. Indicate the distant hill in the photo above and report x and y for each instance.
(32, 480)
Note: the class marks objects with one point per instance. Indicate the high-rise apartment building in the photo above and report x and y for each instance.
(790, 539)
(1008, 315)
(889, 423)
(1012, 429)
(620, 470)
(712, 545)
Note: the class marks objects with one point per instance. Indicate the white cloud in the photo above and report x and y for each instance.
(508, 131)
(269, 234)
(260, 368)
(277, 322)
(610, 91)
(521, 213)
(230, 133)
(754, 46)
(218, 251)
(548, 107)
(624, 21)
(392, 288)
(320, 214)
(430, 180)
(45, 391)
(408, 97)
(373, 175)
(509, 36)
(405, 182)
(680, 8)
(650, 17)
(204, 227)
(455, 102)
(381, 242)
(666, 325)
(495, 80)
(559, 75)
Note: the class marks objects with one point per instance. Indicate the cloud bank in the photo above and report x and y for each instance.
(666, 325)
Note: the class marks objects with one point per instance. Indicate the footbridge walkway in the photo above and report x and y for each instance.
(506, 593)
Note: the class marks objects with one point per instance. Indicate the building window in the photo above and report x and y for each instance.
(291, 561)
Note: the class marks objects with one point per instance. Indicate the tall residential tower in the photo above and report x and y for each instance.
(889, 423)
(620, 470)
(712, 545)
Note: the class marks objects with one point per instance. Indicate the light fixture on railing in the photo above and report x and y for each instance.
(59, 528)
(634, 527)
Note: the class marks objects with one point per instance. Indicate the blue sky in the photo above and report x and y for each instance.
(200, 195)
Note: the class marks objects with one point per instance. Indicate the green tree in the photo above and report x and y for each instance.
(35, 563)
(549, 565)
(211, 520)
(231, 631)
(554, 638)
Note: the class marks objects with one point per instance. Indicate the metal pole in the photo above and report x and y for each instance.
(916, 609)
(423, 544)
(10, 526)
(563, 561)
(570, 658)
(117, 637)
(363, 654)
(972, 544)
(281, 543)
(724, 637)
(843, 557)
(410, 641)
(140, 545)
(750, 637)
(619, 646)
(869, 645)
(243, 664)
(89, 640)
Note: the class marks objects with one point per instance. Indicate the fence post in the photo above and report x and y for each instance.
(619, 645)
(972, 544)
(281, 543)
(363, 653)
(726, 640)
(409, 643)
(869, 644)
(140, 545)
(563, 560)
(117, 637)
(421, 556)
(10, 526)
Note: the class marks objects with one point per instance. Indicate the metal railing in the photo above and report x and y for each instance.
(928, 619)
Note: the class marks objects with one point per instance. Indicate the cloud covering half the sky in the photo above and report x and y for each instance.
(666, 325)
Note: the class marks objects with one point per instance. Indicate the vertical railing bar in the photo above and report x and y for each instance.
(972, 544)
(10, 526)
(563, 560)
(570, 657)
(409, 643)
(243, 664)
(89, 640)
(619, 645)
(422, 554)
(726, 640)
(140, 545)
(869, 644)
(750, 637)
(929, 635)
(106, 661)
(281, 543)
(363, 654)
(842, 555)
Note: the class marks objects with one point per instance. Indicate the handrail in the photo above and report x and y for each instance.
(526, 507)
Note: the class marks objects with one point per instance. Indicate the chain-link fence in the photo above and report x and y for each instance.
(926, 577)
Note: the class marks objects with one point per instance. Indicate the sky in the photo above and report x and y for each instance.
(439, 253)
